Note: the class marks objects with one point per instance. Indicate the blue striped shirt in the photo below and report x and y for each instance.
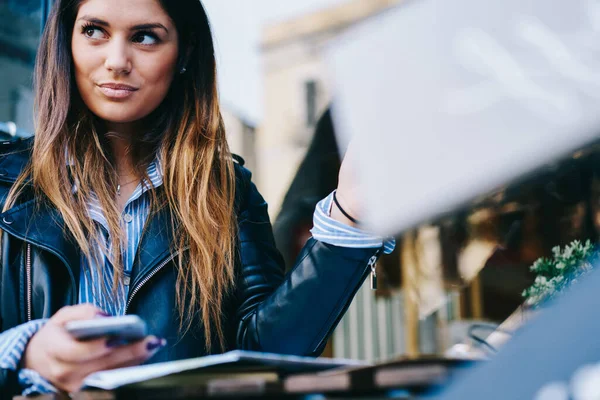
(133, 218)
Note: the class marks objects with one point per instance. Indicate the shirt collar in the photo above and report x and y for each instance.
(155, 176)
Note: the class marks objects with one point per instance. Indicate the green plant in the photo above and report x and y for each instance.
(560, 271)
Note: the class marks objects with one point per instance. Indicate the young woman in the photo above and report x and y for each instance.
(128, 201)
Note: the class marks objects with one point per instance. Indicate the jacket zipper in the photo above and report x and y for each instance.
(29, 283)
(147, 278)
(372, 266)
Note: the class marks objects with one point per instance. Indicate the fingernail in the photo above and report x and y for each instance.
(115, 342)
(102, 314)
(156, 343)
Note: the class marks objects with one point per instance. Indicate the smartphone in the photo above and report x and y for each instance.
(130, 328)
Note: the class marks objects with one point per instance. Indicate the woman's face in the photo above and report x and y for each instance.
(125, 54)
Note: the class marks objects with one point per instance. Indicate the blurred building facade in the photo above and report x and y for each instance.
(241, 136)
(297, 90)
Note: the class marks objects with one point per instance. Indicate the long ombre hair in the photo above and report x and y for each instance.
(186, 134)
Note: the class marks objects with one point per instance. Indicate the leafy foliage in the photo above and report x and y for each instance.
(560, 271)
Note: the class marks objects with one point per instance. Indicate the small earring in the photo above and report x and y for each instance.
(182, 71)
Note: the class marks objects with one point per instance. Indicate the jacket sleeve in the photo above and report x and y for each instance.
(293, 313)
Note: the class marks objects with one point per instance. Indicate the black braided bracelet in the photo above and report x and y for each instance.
(337, 203)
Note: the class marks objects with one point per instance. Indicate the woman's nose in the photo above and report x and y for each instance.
(117, 59)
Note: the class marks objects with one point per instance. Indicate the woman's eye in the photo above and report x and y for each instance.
(93, 32)
(146, 39)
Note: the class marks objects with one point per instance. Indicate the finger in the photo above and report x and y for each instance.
(131, 354)
(78, 312)
(73, 360)
(132, 363)
(72, 351)
(69, 375)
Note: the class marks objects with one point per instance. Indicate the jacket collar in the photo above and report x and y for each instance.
(154, 246)
(38, 223)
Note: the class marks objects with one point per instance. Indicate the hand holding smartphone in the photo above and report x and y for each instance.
(75, 342)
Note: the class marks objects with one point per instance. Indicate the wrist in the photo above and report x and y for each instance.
(341, 212)
(338, 216)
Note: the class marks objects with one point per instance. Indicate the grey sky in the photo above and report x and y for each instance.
(237, 27)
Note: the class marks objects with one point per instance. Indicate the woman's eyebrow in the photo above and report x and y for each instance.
(149, 26)
(94, 20)
(139, 27)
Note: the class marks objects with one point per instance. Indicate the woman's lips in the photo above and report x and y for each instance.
(119, 92)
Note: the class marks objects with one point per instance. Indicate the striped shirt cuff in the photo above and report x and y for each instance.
(34, 384)
(12, 347)
(331, 231)
(14, 341)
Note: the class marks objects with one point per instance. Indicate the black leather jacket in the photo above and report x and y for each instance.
(268, 311)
